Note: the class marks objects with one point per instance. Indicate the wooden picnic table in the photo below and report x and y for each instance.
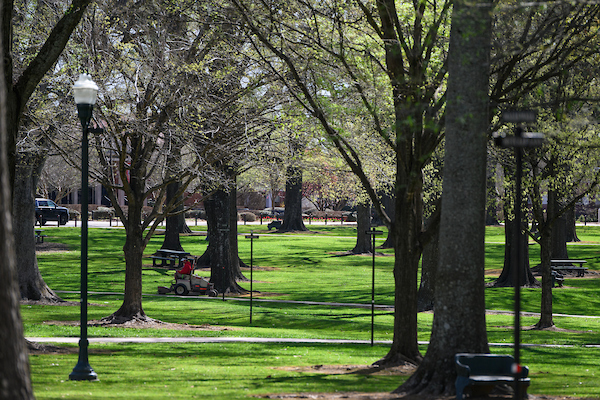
(168, 257)
(567, 265)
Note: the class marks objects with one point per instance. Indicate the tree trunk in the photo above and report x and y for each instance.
(547, 240)
(135, 239)
(236, 262)
(507, 274)
(223, 269)
(292, 215)
(14, 362)
(182, 224)
(131, 309)
(459, 319)
(570, 229)
(173, 228)
(559, 236)
(31, 284)
(491, 215)
(406, 233)
(390, 208)
(363, 223)
(429, 263)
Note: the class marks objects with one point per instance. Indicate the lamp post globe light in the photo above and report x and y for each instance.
(84, 91)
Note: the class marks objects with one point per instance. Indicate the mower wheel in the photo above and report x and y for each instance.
(212, 293)
(181, 290)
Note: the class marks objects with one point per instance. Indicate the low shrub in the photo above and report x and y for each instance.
(103, 213)
(197, 213)
(247, 216)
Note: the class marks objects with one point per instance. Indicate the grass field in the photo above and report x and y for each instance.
(302, 267)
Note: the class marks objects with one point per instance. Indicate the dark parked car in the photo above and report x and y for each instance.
(47, 210)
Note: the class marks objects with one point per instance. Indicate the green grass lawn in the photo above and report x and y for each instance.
(301, 267)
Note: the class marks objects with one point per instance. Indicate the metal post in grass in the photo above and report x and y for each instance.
(518, 142)
(251, 236)
(373, 233)
(84, 92)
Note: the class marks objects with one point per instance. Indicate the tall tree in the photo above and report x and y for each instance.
(403, 55)
(546, 63)
(568, 175)
(153, 73)
(14, 363)
(31, 284)
(222, 251)
(175, 221)
(459, 282)
(23, 73)
(21, 80)
(397, 71)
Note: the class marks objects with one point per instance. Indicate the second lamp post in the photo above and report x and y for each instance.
(84, 91)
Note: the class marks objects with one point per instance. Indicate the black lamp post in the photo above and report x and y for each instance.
(84, 91)
(519, 141)
(252, 236)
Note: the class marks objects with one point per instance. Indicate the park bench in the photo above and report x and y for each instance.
(274, 224)
(484, 371)
(567, 265)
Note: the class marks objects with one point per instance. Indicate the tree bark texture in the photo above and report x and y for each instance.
(506, 276)
(389, 202)
(173, 222)
(237, 263)
(15, 382)
(571, 229)
(224, 265)
(131, 309)
(363, 224)
(459, 319)
(135, 241)
(429, 263)
(547, 240)
(292, 215)
(31, 284)
(559, 237)
(406, 231)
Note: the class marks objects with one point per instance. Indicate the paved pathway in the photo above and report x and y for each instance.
(274, 340)
(312, 303)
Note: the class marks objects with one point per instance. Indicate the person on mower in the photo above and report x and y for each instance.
(187, 268)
